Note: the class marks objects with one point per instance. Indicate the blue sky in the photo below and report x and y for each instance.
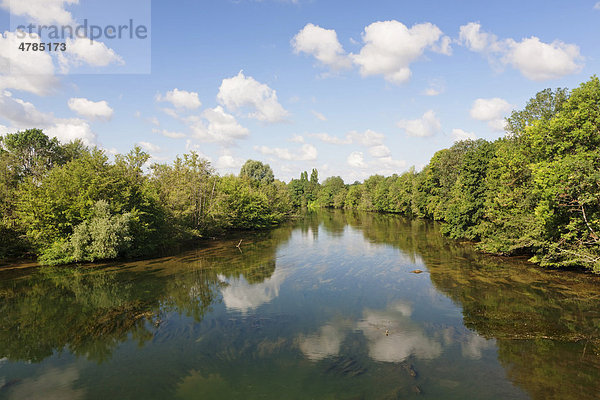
(350, 88)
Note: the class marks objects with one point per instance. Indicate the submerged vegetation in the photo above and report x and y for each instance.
(534, 192)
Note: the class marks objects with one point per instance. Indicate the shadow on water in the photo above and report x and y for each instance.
(190, 325)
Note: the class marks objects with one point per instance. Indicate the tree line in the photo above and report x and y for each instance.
(534, 192)
(64, 203)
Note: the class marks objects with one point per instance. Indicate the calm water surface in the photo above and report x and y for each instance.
(325, 307)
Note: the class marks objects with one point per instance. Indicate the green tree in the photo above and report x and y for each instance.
(257, 172)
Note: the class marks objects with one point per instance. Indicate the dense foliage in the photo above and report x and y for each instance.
(534, 192)
(69, 203)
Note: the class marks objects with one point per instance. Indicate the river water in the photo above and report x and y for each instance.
(335, 305)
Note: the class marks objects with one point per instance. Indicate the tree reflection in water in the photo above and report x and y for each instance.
(197, 315)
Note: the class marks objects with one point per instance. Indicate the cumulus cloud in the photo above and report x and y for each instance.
(390, 47)
(228, 161)
(491, 111)
(69, 129)
(30, 71)
(84, 51)
(540, 61)
(181, 99)
(24, 115)
(246, 92)
(459, 134)
(356, 159)
(322, 44)
(471, 36)
(41, 11)
(535, 59)
(380, 151)
(427, 125)
(307, 152)
(91, 109)
(216, 125)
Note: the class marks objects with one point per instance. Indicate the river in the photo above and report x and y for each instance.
(333, 305)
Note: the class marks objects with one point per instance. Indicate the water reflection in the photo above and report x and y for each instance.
(240, 295)
(393, 337)
(326, 307)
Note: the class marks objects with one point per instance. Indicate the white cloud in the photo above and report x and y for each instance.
(471, 36)
(323, 44)
(297, 139)
(491, 111)
(91, 109)
(380, 151)
(319, 116)
(149, 147)
(388, 166)
(443, 46)
(30, 71)
(307, 152)
(181, 99)
(216, 125)
(540, 61)
(169, 134)
(84, 51)
(41, 11)
(367, 138)
(597, 6)
(459, 134)
(427, 125)
(70, 129)
(245, 92)
(356, 159)
(228, 161)
(390, 47)
(431, 92)
(535, 59)
(24, 115)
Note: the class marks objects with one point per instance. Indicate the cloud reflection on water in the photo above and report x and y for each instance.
(391, 337)
(239, 295)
